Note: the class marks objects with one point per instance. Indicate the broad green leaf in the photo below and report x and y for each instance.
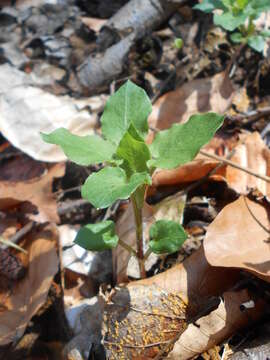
(229, 21)
(135, 153)
(110, 184)
(260, 5)
(265, 33)
(242, 3)
(97, 237)
(237, 38)
(209, 5)
(181, 143)
(83, 150)
(256, 42)
(129, 105)
(166, 236)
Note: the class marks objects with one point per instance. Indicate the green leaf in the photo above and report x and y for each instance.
(166, 236)
(242, 3)
(110, 184)
(237, 38)
(178, 43)
(265, 33)
(181, 143)
(229, 21)
(209, 5)
(97, 237)
(83, 150)
(129, 105)
(135, 153)
(256, 42)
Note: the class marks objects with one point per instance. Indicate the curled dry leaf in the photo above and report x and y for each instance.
(142, 322)
(27, 295)
(239, 238)
(37, 191)
(219, 325)
(200, 95)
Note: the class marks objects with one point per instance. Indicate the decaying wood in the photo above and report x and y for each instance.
(131, 22)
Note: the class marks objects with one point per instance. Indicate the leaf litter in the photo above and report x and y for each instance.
(224, 205)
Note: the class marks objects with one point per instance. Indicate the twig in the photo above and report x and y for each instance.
(137, 346)
(254, 217)
(251, 117)
(233, 164)
(22, 232)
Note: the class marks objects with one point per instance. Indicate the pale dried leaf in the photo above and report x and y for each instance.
(214, 328)
(26, 110)
(30, 293)
(239, 238)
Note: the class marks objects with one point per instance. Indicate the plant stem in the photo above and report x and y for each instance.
(139, 233)
(127, 247)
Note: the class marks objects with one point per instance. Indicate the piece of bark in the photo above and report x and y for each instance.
(130, 23)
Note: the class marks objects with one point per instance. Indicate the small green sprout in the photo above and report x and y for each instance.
(129, 165)
(238, 16)
(178, 43)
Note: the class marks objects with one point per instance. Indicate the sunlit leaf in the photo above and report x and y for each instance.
(97, 237)
(166, 236)
(129, 105)
(83, 150)
(256, 42)
(229, 21)
(181, 143)
(134, 152)
(110, 184)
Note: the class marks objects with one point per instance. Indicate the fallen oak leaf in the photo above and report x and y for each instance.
(238, 238)
(30, 293)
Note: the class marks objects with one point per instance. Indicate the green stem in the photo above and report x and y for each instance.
(127, 247)
(137, 209)
(147, 254)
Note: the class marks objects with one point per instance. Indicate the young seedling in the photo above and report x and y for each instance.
(129, 164)
(238, 16)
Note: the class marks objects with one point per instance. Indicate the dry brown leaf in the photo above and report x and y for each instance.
(200, 95)
(239, 238)
(219, 325)
(251, 152)
(29, 294)
(37, 191)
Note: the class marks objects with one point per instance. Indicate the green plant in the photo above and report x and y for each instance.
(130, 162)
(238, 16)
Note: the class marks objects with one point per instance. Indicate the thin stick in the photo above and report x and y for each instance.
(137, 346)
(233, 164)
